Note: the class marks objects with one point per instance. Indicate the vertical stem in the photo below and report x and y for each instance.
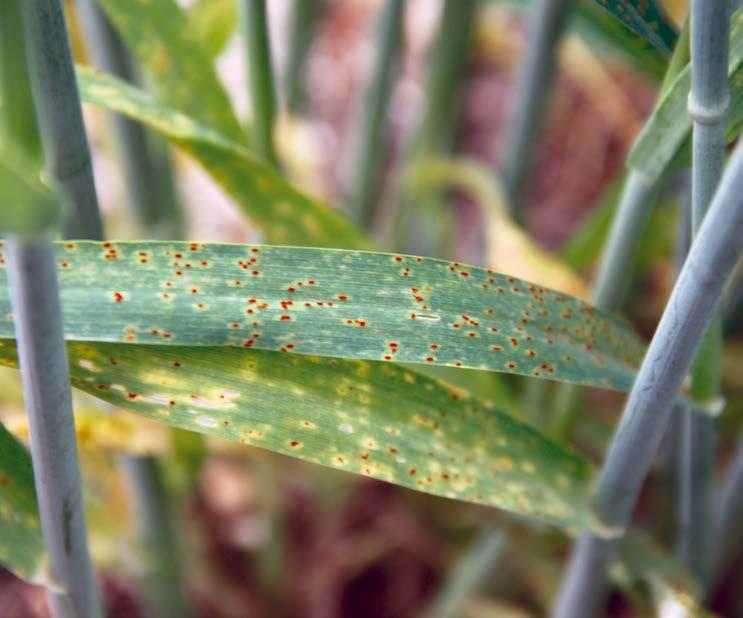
(728, 529)
(626, 228)
(468, 573)
(60, 116)
(148, 180)
(429, 217)
(32, 269)
(690, 310)
(150, 504)
(305, 14)
(260, 76)
(374, 104)
(533, 84)
(708, 102)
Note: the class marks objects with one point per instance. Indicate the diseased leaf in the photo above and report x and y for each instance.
(375, 419)
(345, 304)
(284, 214)
(667, 131)
(21, 543)
(645, 17)
(181, 69)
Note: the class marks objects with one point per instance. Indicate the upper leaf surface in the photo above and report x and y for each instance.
(374, 419)
(284, 214)
(645, 17)
(328, 302)
(181, 69)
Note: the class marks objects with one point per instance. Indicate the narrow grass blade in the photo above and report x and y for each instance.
(374, 419)
(665, 138)
(284, 214)
(343, 304)
(646, 18)
(181, 69)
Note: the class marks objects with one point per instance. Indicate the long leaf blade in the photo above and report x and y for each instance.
(374, 419)
(284, 214)
(346, 304)
(179, 65)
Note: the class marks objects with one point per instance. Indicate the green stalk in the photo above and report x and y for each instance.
(32, 269)
(156, 534)
(611, 280)
(305, 15)
(373, 117)
(260, 77)
(690, 310)
(60, 116)
(728, 529)
(148, 179)
(708, 102)
(468, 573)
(533, 84)
(430, 217)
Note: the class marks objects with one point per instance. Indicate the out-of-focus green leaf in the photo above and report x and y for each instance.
(375, 419)
(21, 544)
(181, 69)
(214, 22)
(345, 304)
(26, 206)
(285, 215)
(665, 136)
(645, 17)
(603, 31)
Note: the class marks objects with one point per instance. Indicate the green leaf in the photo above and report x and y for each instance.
(181, 69)
(375, 419)
(21, 543)
(665, 136)
(214, 22)
(344, 304)
(645, 17)
(284, 214)
(27, 206)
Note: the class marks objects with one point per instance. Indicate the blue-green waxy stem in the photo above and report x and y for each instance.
(690, 310)
(60, 116)
(707, 105)
(46, 389)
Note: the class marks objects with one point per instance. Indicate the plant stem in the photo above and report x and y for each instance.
(689, 312)
(429, 217)
(370, 133)
(529, 101)
(32, 269)
(728, 529)
(708, 101)
(305, 14)
(260, 77)
(60, 116)
(156, 534)
(626, 228)
(148, 179)
(468, 573)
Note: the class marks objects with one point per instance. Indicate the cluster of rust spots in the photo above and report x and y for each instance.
(356, 322)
